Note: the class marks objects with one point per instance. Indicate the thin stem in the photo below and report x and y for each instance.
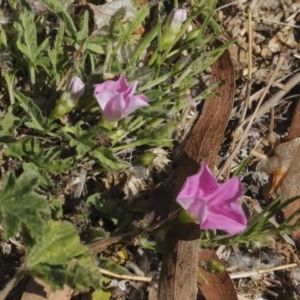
(9, 88)
(13, 282)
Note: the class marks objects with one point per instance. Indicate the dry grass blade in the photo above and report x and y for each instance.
(127, 277)
(261, 271)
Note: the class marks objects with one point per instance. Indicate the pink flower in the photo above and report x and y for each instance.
(116, 99)
(216, 206)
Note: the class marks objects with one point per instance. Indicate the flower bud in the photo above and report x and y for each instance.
(144, 159)
(75, 87)
(172, 27)
(69, 98)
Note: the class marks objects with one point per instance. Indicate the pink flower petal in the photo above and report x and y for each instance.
(186, 202)
(224, 222)
(196, 207)
(135, 102)
(119, 85)
(225, 212)
(227, 192)
(131, 90)
(104, 97)
(113, 111)
(199, 185)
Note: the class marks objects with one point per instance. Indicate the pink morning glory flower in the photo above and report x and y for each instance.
(216, 206)
(117, 99)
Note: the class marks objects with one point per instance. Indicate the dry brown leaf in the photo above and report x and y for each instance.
(284, 169)
(216, 286)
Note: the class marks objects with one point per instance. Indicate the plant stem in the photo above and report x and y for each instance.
(8, 81)
(13, 282)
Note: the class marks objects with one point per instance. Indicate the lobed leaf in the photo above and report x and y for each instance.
(59, 258)
(38, 121)
(9, 122)
(21, 206)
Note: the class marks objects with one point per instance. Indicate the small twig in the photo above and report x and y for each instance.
(261, 271)
(227, 5)
(272, 124)
(128, 277)
(252, 118)
(278, 23)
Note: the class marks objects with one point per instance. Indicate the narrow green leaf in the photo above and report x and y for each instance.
(105, 157)
(59, 258)
(44, 46)
(143, 44)
(83, 33)
(44, 63)
(29, 34)
(24, 50)
(94, 47)
(20, 205)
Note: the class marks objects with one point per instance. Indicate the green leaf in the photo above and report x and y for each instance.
(94, 47)
(27, 147)
(9, 122)
(83, 33)
(58, 8)
(29, 34)
(105, 157)
(58, 165)
(23, 49)
(143, 44)
(59, 258)
(38, 121)
(101, 295)
(56, 54)
(44, 63)
(20, 205)
(152, 137)
(112, 266)
(44, 46)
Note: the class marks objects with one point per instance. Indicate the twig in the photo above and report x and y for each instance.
(128, 277)
(261, 271)
(252, 118)
(278, 23)
(227, 5)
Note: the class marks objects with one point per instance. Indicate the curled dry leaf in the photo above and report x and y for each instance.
(284, 169)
